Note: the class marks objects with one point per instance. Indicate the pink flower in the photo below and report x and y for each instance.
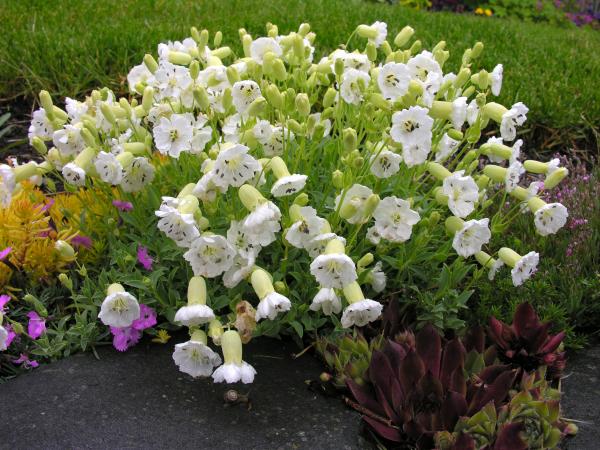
(82, 241)
(144, 258)
(4, 253)
(36, 326)
(147, 318)
(27, 363)
(48, 205)
(4, 299)
(11, 336)
(122, 205)
(124, 338)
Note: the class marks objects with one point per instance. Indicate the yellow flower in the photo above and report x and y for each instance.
(479, 10)
(488, 12)
(162, 337)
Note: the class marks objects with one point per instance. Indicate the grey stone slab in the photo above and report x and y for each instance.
(139, 399)
(581, 398)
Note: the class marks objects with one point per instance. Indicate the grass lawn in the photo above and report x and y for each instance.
(72, 47)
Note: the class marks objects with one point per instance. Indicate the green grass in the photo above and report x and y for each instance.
(70, 47)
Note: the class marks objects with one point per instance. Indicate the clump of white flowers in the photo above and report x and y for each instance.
(334, 161)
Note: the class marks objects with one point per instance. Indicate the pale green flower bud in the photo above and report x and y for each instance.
(371, 51)
(481, 79)
(473, 166)
(441, 56)
(304, 29)
(440, 197)
(466, 58)
(519, 193)
(39, 145)
(107, 112)
(203, 39)
(84, 159)
(494, 111)
(231, 344)
(201, 97)
(415, 88)
(65, 281)
(37, 305)
(535, 203)
(499, 150)
(272, 30)
(279, 167)
(194, 69)
(403, 36)
(195, 34)
(228, 99)
(301, 199)
(453, 225)
(338, 67)
(366, 31)
(473, 133)
(203, 222)
(469, 91)
(386, 48)
(441, 110)
(509, 256)
(455, 134)
(125, 158)
(198, 336)
(358, 161)
(476, 50)
(353, 292)
(217, 39)
(261, 283)
(350, 139)
(250, 197)
(438, 171)
(46, 102)
(279, 70)
(16, 326)
(188, 204)
(496, 173)
(485, 260)
(280, 287)
(415, 47)
(482, 182)
(379, 101)
(365, 261)
(274, 96)
(434, 218)
(221, 52)
(215, 331)
(298, 46)
(335, 246)
(180, 58)
(327, 113)
(329, 97)
(64, 249)
(535, 166)
(337, 179)
(246, 43)
(196, 294)
(150, 63)
(555, 177)
(371, 204)
(302, 104)
(295, 127)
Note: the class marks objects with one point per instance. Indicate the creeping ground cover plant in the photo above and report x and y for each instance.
(291, 190)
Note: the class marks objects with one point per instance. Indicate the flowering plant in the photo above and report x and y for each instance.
(310, 185)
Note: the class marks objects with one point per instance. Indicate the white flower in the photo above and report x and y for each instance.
(240, 270)
(550, 218)
(417, 153)
(159, 110)
(394, 219)
(197, 314)
(259, 47)
(119, 309)
(138, 75)
(497, 79)
(210, 256)
(462, 193)
(459, 112)
(524, 268)
(273, 146)
(334, 270)
(3, 338)
(288, 185)
(238, 237)
(355, 198)
(201, 135)
(471, 237)
(426, 70)
(352, 60)
(116, 144)
(377, 278)
(7, 184)
(40, 126)
(411, 126)
(73, 174)
(393, 80)
(75, 109)
(361, 313)
(173, 135)
(262, 224)
(317, 120)
(472, 112)
(234, 166)
(137, 175)
(385, 163)
(553, 165)
(109, 168)
(69, 140)
(327, 301)
(195, 358)
(513, 175)
(244, 93)
(516, 116)
(381, 28)
(232, 373)
(262, 131)
(301, 233)
(171, 80)
(353, 83)
(206, 190)
(272, 305)
(496, 266)
(446, 148)
(214, 78)
(373, 235)
(178, 226)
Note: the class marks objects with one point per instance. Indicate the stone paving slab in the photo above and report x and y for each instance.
(139, 399)
(581, 398)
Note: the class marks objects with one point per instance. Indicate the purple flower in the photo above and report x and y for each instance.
(11, 335)
(144, 258)
(27, 363)
(4, 253)
(82, 241)
(122, 205)
(4, 299)
(124, 338)
(147, 318)
(48, 205)
(36, 326)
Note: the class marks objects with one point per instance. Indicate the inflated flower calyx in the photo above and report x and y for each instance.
(64, 249)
